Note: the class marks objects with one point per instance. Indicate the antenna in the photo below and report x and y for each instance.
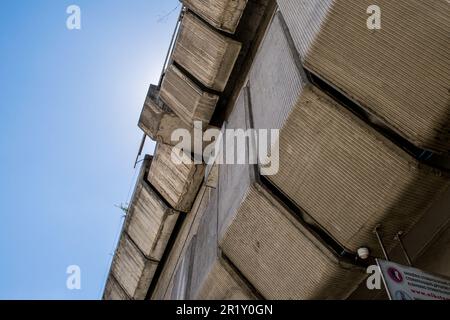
(123, 207)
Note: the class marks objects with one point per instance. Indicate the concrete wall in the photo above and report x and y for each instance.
(282, 236)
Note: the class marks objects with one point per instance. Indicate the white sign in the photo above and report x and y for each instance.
(406, 283)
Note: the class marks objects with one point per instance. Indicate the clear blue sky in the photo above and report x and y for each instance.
(69, 106)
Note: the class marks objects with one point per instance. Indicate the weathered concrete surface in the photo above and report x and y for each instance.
(278, 270)
(159, 123)
(400, 73)
(304, 19)
(205, 53)
(132, 269)
(150, 221)
(177, 183)
(281, 258)
(113, 291)
(186, 99)
(234, 179)
(250, 32)
(165, 285)
(222, 14)
(194, 269)
(348, 177)
(204, 250)
(275, 79)
(222, 283)
(145, 234)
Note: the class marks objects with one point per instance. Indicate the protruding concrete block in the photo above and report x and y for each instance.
(132, 269)
(177, 179)
(222, 14)
(280, 257)
(159, 123)
(348, 177)
(150, 221)
(205, 53)
(186, 99)
(399, 73)
(113, 291)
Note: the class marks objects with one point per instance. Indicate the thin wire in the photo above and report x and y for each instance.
(164, 17)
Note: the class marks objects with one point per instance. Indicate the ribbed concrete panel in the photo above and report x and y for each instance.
(234, 179)
(150, 221)
(275, 79)
(205, 53)
(222, 283)
(304, 19)
(204, 251)
(159, 124)
(222, 14)
(280, 258)
(181, 282)
(400, 73)
(348, 177)
(177, 179)
(132, 270)
(186, 99)
(113, 291)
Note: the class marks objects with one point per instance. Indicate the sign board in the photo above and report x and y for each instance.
(407, 283)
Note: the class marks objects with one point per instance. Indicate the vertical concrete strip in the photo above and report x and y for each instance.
(275, 79)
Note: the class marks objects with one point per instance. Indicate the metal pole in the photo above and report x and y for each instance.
(383, 248)
(172, 41)
(402, 246)
(144, 137)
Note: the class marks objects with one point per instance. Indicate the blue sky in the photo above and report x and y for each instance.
(69, 106)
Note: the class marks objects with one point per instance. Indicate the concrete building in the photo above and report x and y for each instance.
(363, 119)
